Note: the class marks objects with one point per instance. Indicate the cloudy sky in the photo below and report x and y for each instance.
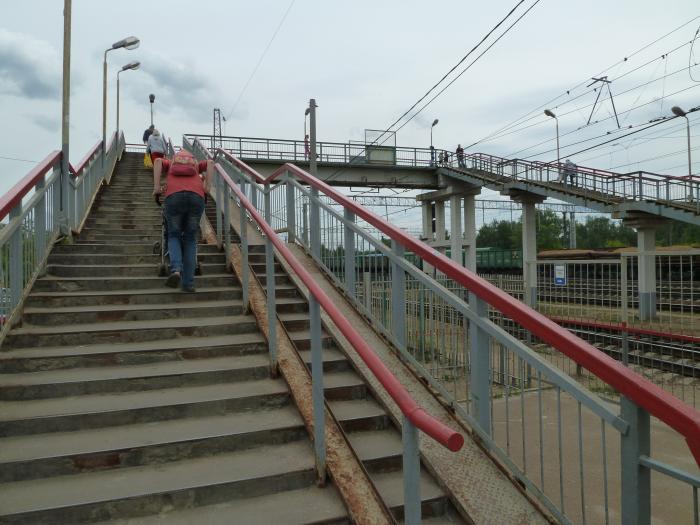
(365, 62)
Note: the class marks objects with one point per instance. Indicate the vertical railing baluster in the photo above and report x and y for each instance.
(411, 473)
(349, 247)
(16, 277)
(398, 297)
(315, 224)
(635, 492)
(40, 220)
(227, 221)
(219, 201)
(244, 255)
(317, 389)
(270, 280)
(291, 215)
(479, 378)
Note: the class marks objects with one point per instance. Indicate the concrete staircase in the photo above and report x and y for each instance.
(122, 400)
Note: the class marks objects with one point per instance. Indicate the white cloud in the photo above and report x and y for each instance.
(28, 67)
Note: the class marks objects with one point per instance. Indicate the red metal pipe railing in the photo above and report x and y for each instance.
(15, 195)
(437, 430)
(659, 403)
(87, 158)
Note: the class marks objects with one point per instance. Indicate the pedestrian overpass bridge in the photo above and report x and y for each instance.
(290, 389)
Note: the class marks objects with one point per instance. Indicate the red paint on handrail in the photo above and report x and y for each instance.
(436, 429)
(617, 327)
(15, 195)
(87, 158)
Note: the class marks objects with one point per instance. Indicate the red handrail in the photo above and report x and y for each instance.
(88, 156)
(437, 430)
(15, 195)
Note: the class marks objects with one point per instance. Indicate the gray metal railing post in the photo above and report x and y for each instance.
(291, 215)
(40, 220)
(635, 495)
(270, 281)
(349, 247)
(305, 224)
(411, 473)
(317, 389)
(219, 222)
(315, 224)
(227, 221)
(367, 290)
(244, 255)
(480, 358)
(16, 277)
(398, 297)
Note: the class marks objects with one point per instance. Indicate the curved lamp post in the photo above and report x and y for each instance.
(680, 113)
(550, 113)
(129, 66)
(152, 99)
(130, 42)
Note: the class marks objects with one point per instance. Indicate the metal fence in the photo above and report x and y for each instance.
(37, 208)
(565, 443)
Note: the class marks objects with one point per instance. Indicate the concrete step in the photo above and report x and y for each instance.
(131, 378)
(140, 491)
(356, 415)
(74, 284)
(291, 305)
(294, 321)
(313, 505)
(390, 486)
(280, 278)
(110, 354)
(114, 238)
(128, 331)
(151, 259)
(122, 270)
(77, 315)
(302, 339)
(145, 296)
(66, 414)
(379, 450)
(119, 229)
(144, 248)
(333, 360)
(64, 453)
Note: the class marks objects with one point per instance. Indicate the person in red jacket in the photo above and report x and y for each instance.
(184, 205)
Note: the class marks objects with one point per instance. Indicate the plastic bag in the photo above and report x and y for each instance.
(147, 162)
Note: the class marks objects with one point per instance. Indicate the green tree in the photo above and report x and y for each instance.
(601, 232)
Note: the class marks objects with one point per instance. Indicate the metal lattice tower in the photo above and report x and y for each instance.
(218, 142)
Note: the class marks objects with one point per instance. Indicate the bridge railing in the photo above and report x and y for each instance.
(229, 189)
(36, 209)
(252, 148)
(551, 432)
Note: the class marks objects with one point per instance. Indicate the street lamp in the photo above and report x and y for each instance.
(680, 113)
(550, 113)
(152, 99)
(432, 150)
(130, 42)
(130, 65)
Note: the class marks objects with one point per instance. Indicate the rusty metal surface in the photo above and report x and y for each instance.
(479, 486)
(361, 498)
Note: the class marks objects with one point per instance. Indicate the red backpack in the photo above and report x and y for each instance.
(183, 165)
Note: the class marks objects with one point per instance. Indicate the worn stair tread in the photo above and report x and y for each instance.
(328, 354)
(293, 316)
(376, 444)
(124, 437)
(134, 325)
(150, 370)
(356, 409)
(131, 307)
(138, 291)
(101, 403)
(390, 487)
(293, 507)
(179, 343)
(120, 277)
(342, 379)
(95, 487)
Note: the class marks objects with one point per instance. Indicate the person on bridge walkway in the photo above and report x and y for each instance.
(569, 173)
(184, 205)
(432, 155)
(307, 150)
(460, 156)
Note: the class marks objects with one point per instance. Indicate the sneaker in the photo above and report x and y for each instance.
(173, 280)
(188, 289)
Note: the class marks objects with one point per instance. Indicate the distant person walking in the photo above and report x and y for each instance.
(307, 149)
(570, 172)
(156, 145)
(184, 205)
(432, 155)
(441, 158)
(460, 156)
(147, 133)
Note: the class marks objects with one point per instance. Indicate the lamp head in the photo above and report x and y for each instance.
(152, 98)
(131, 65)
(549, 113)
(435, 122)
(130, 42)
(678, 111)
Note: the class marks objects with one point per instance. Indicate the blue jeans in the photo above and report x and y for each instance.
(183, 211)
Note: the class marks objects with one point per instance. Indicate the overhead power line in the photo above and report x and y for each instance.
(260, 60)
(19, 160)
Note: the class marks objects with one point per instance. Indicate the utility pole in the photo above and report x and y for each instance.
(65, 117)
